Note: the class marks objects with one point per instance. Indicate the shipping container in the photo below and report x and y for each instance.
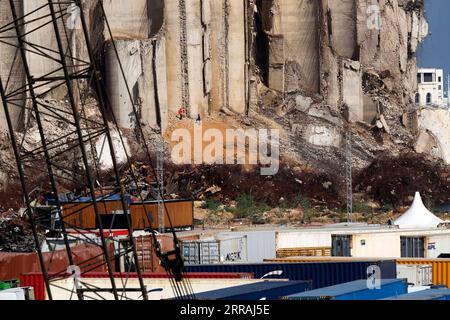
(82, 214)
(440, 268)
(36, 280)
(266, 290)
(215, 251)
(320, 259)
(13, 264)
(200, 282)
(145, 215)
(355, 290)
(260, 244)
(418, 275)
(322, 274)
(430, 294)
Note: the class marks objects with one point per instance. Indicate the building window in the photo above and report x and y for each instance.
(419, 78)
(412, 247)
(427, 77)
(417, 98)
(439, 79)
(439, 87)
(428, 98)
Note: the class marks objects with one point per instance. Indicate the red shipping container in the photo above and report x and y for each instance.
(36, 279)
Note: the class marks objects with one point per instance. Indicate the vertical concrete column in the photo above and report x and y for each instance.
(342, 21)
(161, 75)
(236, 56)
(11, 66)
(217, 55)
(173, 54)
(194, 41)
(130, 56)
(146, 85)
(300, 24)
(46, 38)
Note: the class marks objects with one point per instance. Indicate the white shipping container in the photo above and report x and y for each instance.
(419, 275)
(233, 249)
(226, 249)
(302, 239)
(260, 244)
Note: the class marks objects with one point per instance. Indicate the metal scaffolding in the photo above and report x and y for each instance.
(71, 160)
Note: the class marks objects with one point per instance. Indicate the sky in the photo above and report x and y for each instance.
(435, 51)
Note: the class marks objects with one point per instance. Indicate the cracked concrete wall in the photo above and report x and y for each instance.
(143, 62)
(194, 42)
(299, 26)
(11, 70)
(45, 37)
(128, 19)
(342, 19)
(130, 56)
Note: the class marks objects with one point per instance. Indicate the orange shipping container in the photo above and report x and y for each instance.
(441, 268)
(180, 212)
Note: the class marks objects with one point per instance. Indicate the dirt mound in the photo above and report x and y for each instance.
(234, 180)
(395, 180)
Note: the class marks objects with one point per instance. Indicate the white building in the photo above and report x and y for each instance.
(430, 84)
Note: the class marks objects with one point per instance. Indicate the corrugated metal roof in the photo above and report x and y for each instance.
(430, 294)
(342, 289)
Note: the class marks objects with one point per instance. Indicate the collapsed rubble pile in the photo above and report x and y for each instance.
(227, 182)
(15, 233)
(395, 180)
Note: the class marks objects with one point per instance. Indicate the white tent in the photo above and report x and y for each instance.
(418, 216)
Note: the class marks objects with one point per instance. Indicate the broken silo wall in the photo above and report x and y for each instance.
(129, 53)
(127, 19)
(11, 70)
(300, 27)
(217, 56)
(342, 17)
(45, 37)
(352, 94)
(173, 54)
(236, 56)
(194, 43)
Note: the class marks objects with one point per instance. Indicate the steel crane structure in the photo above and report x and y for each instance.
(70, 160)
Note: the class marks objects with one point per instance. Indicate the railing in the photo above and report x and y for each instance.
(303, 252)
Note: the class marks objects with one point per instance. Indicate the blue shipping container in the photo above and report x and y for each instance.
(430, 294)
(355, 290)
(321, 274)
(267, 290)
